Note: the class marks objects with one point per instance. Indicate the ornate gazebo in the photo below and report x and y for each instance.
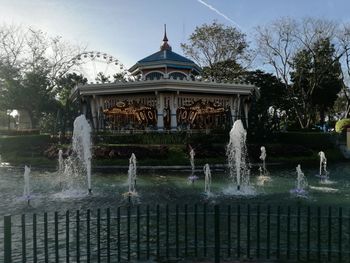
(166, 93)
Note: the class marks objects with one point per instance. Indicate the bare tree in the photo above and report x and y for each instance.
(30, 49)
(11, 44)
(344, 43)
(277, 46)
(32, 62)
(280, 42)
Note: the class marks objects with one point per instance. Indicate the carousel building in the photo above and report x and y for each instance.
(165, 94)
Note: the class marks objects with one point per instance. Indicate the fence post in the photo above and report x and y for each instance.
(67, 236)
(108, 218)
(77, 240)
(98, 235)
(46, 247)
(329, 233)
(24, 256)
(340, 224)
(88, 218)
(7, 239)
(35, 250)
(56, 238)
(217, 233)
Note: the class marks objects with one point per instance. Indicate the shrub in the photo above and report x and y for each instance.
(341, 125)
(19, 132)
(160, 138)
(124, 152)
(313, 140)
(24, 144)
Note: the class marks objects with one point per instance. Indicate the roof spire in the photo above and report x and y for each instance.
(165, 39)
(165, 45)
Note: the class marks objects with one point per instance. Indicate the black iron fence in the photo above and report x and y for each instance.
(162, 233)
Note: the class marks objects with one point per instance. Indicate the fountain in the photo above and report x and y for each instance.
(81, 144)
(193, 177)
(264, 174)
(207, 179)
(323, 165)
(132, 175)
(26, 190)
(301, 183)
(237, 159)
(323, 172)
(262, 157)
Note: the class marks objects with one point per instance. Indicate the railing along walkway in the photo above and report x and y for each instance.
(201, 232)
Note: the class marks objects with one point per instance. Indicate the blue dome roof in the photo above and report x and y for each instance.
(165, 57)
(167, 54)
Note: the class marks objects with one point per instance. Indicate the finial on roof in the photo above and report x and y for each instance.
(165, 39)
(165, 45)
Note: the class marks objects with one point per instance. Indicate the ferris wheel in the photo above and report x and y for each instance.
(93, 64)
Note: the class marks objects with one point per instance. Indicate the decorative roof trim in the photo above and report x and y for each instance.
(165, 63)
(171, 85)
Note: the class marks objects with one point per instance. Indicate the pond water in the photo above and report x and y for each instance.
(162, 187)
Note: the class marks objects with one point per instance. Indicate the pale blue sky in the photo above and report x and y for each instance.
(133, 29)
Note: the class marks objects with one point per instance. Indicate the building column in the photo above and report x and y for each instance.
(246, 111)
(233, 102)
(101, 116)
(235, 105)
(160, 114)
(173, 109)
(94, 111)
(238, 107)
(83, 107)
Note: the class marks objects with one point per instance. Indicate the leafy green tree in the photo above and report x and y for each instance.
(4, 119)
(28, 92)
(68, 109)
(211, 44)
(120, 76)
(30, 65)
(270, 107)
(102, 77)
(316, 80)
(287, 44)
(228, 70)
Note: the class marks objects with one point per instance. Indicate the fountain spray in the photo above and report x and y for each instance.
(192, 154)
(193, 177)
(207, 178)
(323, 164)
(262, 157)
(82, 145)
(236, 155)
(26, 190)
(301, 180)
(132, 174)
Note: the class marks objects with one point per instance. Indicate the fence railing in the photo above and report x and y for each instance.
(201, 232)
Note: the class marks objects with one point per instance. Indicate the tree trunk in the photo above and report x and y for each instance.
(32, 119)
(347, 112)
(322, 116)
